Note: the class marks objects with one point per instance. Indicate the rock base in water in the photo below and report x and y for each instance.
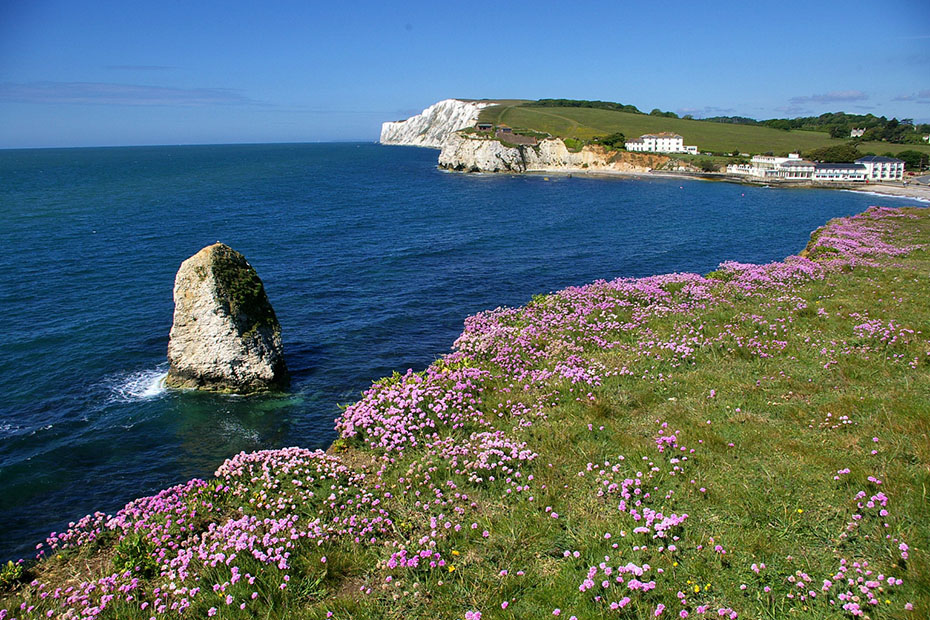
(225, 336)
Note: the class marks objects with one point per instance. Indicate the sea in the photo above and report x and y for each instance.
(370, 255)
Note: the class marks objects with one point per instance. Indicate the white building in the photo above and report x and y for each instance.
(796, 169)
(839, 172)
(665, 142)
(880, 168)
(793, 168)
(769, 167)
(856, 133)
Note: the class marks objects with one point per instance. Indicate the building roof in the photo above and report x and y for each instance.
(829, 166)
(796, 162)
(664, 134)
(880, 159)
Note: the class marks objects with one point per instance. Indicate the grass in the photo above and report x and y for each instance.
(759, 411)
(586, 123)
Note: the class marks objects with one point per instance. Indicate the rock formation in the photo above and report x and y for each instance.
(434, 124)
(476, 154)
(225, 335)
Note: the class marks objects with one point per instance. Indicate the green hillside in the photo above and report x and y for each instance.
(586, 123)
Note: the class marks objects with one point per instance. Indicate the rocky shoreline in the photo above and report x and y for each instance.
(552, 161)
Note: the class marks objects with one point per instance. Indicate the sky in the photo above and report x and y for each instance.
(105, 73)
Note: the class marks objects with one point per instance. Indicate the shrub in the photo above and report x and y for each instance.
(134, 554)
(10, 574)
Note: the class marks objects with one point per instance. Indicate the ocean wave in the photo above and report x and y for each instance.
(139, 385)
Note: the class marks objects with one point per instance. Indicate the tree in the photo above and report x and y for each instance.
(779, 123)
(613, 141)
(913, 160)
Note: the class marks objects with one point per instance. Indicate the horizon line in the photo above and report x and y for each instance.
(153, 145)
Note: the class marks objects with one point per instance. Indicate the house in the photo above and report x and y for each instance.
(484, 126)
(793, 168)
(796, 168)
(769, 167)
(879, 168)
(665, 142)
(856, 133)
(839, 172)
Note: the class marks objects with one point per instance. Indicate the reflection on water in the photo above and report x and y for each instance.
(210, 428)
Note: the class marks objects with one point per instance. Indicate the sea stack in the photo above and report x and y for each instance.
(225, 336)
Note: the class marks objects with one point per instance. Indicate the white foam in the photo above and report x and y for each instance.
(881, 195)
(140, 385)
(234, 429)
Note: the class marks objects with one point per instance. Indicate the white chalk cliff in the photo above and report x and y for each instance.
(434, 124)
(475, 154)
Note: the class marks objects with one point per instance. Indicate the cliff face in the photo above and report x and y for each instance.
(482, 155)
(433, 125)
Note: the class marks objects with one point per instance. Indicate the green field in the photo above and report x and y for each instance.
(586, 123)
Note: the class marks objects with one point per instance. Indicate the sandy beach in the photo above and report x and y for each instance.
(918, 192)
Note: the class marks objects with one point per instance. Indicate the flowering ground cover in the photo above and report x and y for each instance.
(752, 443)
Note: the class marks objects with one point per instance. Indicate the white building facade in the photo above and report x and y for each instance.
(879, 168)
(769, 167)
(793, 168)
(664, 142)
(839, 172)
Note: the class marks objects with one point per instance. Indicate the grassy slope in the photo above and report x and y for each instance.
(767, 426)
(585, 123)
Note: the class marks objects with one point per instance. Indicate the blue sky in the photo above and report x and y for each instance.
(172, 72)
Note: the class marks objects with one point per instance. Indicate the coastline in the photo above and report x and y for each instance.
(561, 391)
(920, 193)
(916, 192)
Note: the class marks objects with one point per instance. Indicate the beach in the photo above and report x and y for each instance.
(917, 192)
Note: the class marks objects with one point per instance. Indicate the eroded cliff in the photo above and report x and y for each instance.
(473, 154)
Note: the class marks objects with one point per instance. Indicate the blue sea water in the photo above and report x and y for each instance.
(371, 257)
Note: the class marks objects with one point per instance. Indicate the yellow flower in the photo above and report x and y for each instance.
(674, 563)
(800, 510)
(451, 568)
(455, 553)
(697, 589)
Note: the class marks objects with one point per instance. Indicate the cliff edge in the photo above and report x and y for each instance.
(432, 126)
